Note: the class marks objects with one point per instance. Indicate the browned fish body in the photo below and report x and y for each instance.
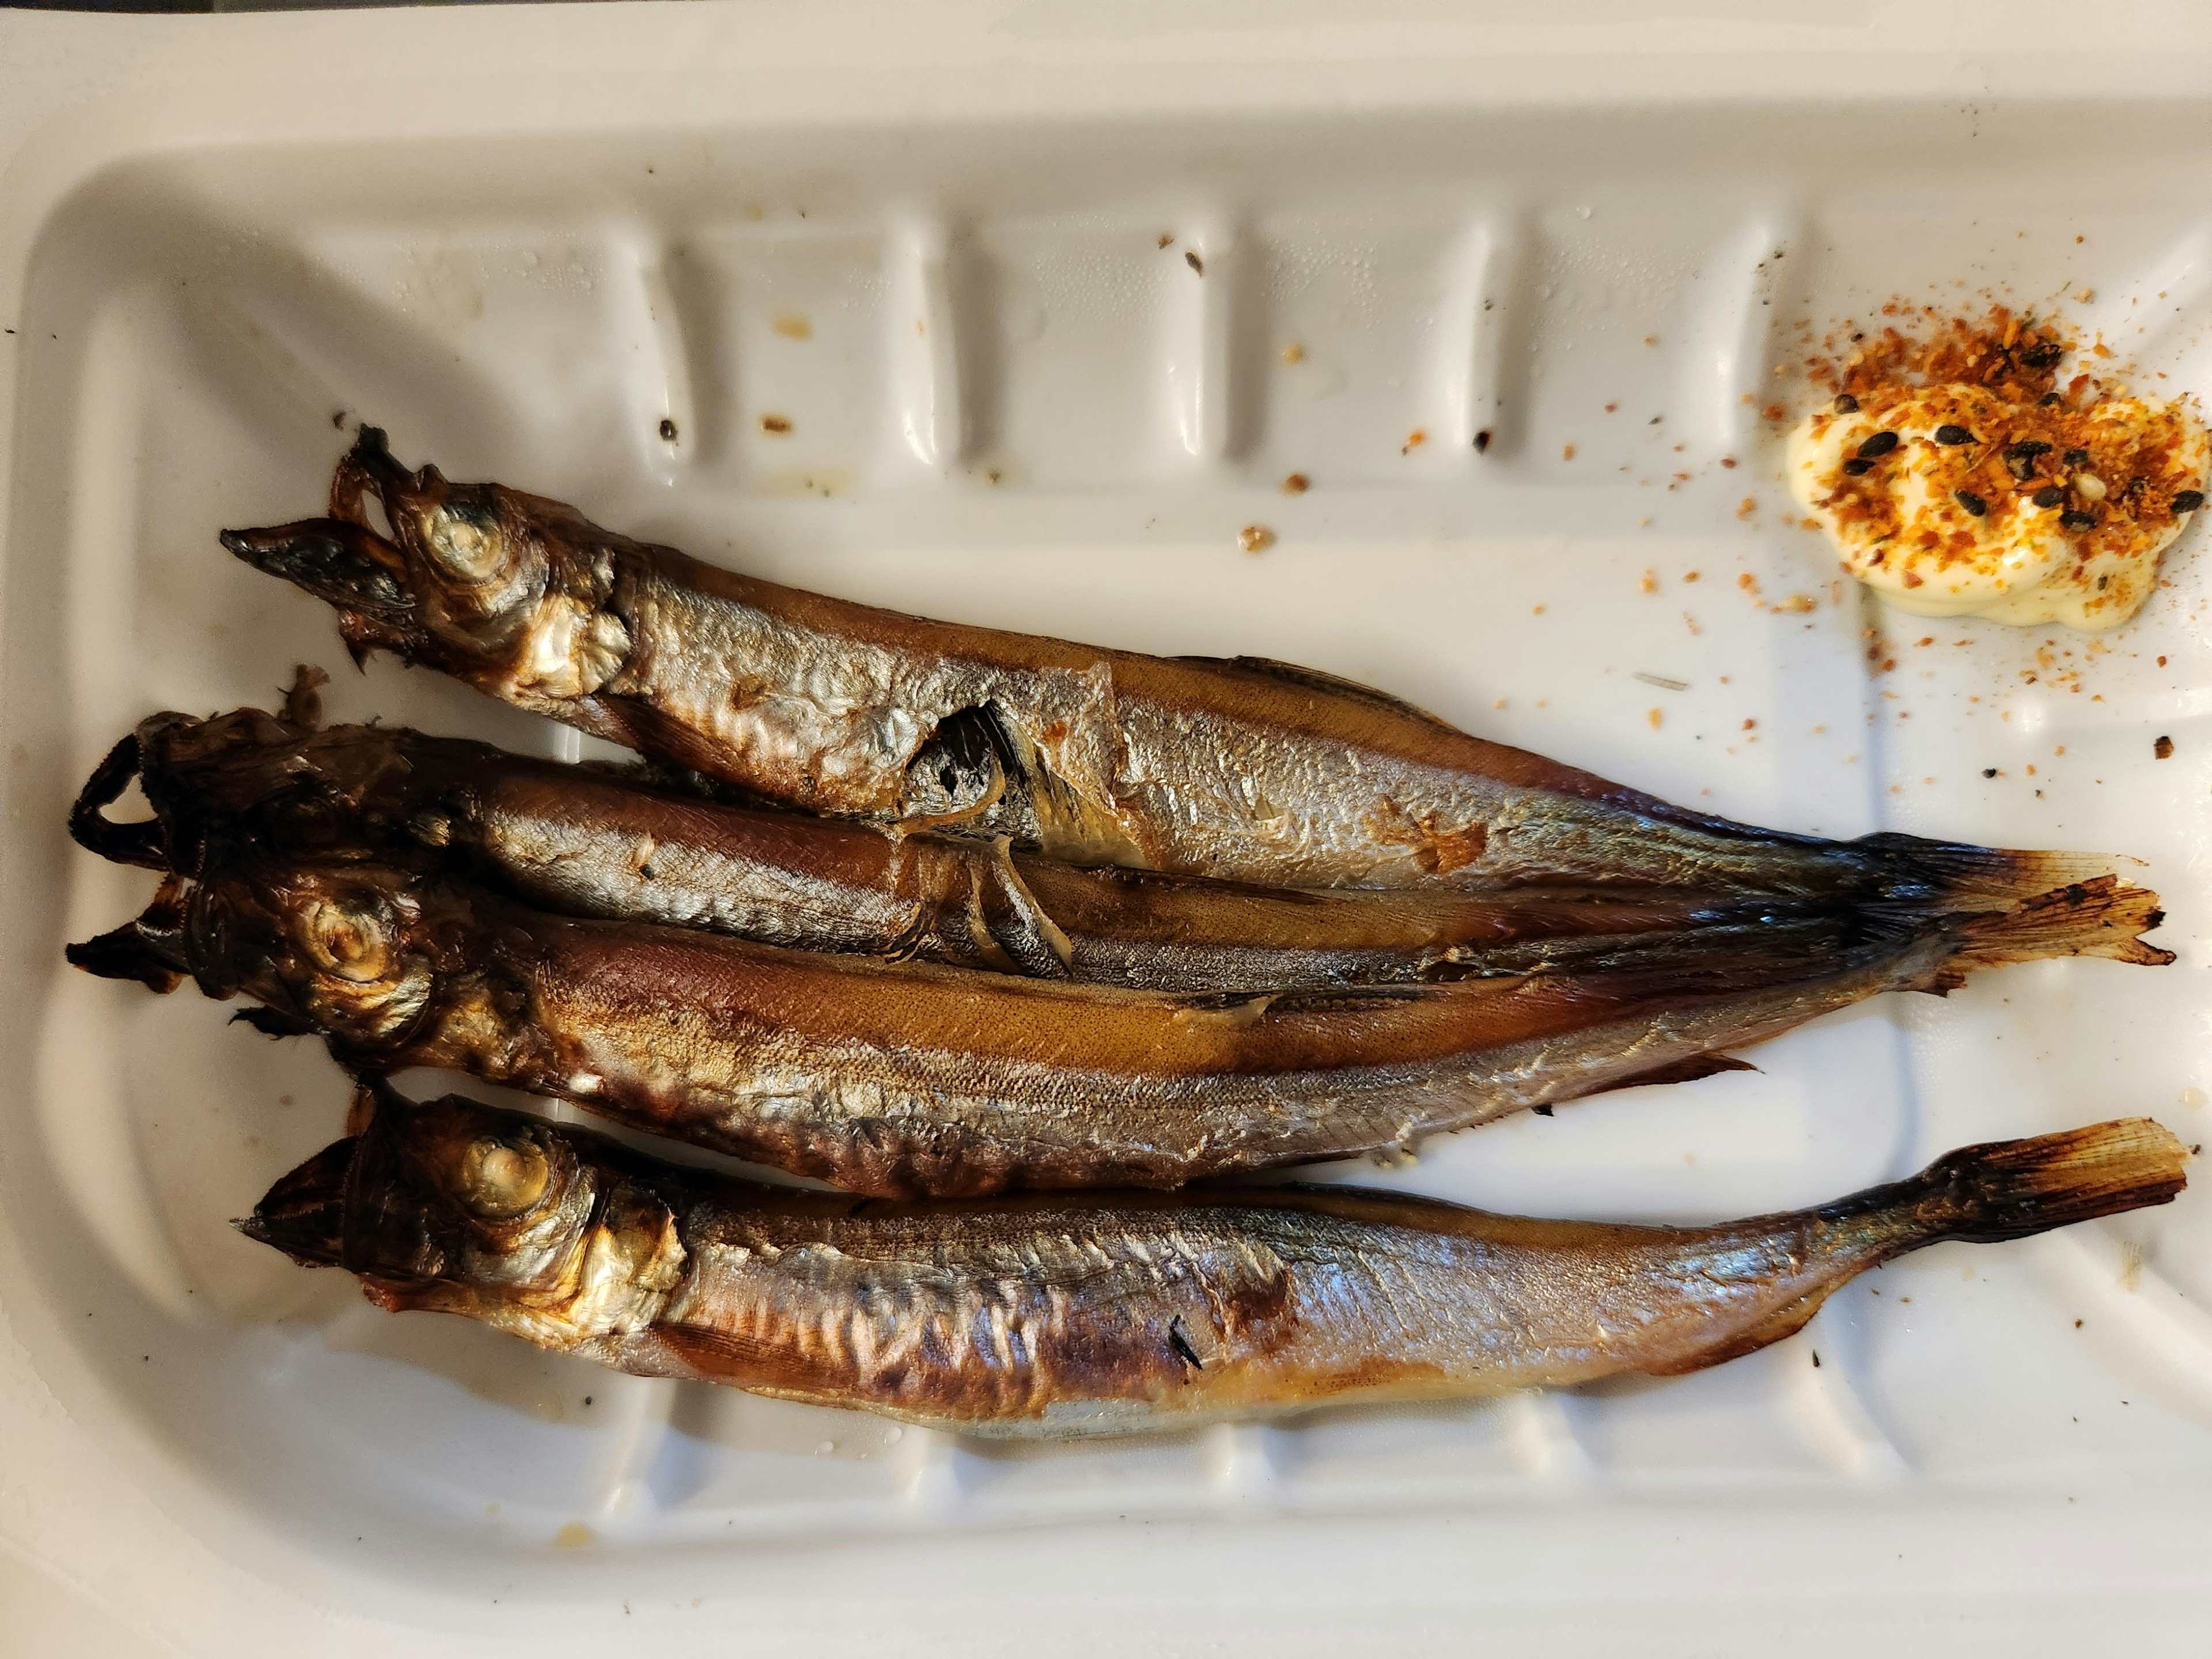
(909, 1079)
(1245, 770)
(1113, 1312)
(592, 841)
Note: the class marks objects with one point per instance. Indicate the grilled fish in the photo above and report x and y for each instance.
(906, 1079)
(1113, 1312)
(591, 842)
(1242, 769)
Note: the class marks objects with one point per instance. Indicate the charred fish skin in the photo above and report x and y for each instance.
(1243, 770)
(1113, 1312)
(591, 842)
(900, 1079)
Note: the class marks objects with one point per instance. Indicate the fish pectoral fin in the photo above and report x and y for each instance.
(1786, 1320)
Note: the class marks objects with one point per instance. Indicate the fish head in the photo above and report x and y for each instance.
(456, 1206)
(493, 586)
(362, 952)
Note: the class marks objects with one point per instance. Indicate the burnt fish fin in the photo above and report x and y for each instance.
(1323, 684)
(1785, 1321)
(1687, 1069)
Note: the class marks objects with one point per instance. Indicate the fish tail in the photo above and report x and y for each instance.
(2098, 917)
(1951, 875)
(2017, 1188)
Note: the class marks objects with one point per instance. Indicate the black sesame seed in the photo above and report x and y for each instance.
(1482, 441)
(1846, 404)
(1857, 469)
(2189, 500)
(1948, 433)
(1974, 504)
(2027, 449)
(667, 430)
(2049, 400)
(1878, 445)
(2043, 354)
(2076, 458)
(2075, 518)
(1988, 771)
(2048, 495)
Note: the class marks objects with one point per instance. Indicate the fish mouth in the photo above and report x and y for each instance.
(304, 1213)
(344, 565)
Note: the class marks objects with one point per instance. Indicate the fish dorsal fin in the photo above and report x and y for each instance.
(1329, 685)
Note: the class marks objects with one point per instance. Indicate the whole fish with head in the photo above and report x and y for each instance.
(1113, 1312)
(900, 1078)
(1243, 770)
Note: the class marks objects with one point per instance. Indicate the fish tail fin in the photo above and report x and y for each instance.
(2017, 1188)
(1952, 876)
(2099, 917)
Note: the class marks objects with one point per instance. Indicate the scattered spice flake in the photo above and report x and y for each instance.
(1799, 604)
(2083, 295)
(2163, 748)
(1296, 485)
(1610, 408)
(1746, 508)
(1691, 623)
(1650, 582)
(1256, 538)
(792, 326)
(1774, 412)
(1414, 440)
(1751, 725)
(1656, 718)
(1690, 575)
(1651, 339)
(1167, 240)
(1728, 461)
(1567, 454)
(777, 425)
(1294, 352)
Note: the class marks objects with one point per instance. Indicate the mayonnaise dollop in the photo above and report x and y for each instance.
(1965, 509)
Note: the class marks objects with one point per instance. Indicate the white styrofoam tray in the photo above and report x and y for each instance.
(523, 240)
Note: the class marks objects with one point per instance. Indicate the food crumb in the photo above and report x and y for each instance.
(1167, 240)
(1294, 352)
(1414, 440)
(1256, 538)
(1746, 508)
(793, 327)
(1190, 257)
(777, 424)
(1689, 575)
(1728, 461)
(1567, 454)
(1691, 623)
(1651, 339)
(1612, 409)
(1656, 718)
(1650, 582)
(2163, 748)
(1296, 485)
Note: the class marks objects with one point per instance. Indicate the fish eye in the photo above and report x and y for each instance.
(466, 539)
(502, 1177)
(352, 940)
